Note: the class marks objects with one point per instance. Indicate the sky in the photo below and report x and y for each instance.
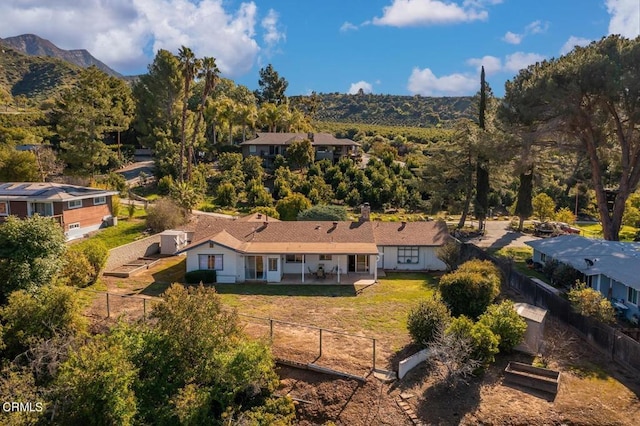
(402, 47)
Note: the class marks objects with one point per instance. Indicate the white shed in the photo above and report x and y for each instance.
(535, 318)
(171, 241)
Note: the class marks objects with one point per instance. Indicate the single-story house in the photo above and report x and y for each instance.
(269, 145)
(610, 267)
(305, 251)
(77, 209)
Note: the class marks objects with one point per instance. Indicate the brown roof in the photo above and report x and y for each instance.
(313, 236)
(434, 233)
(319, 139)
(257, 217)
(49, 191)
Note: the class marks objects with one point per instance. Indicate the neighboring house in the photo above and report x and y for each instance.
(610, 267)
(77, 209)
(301, 251)
(269, 145)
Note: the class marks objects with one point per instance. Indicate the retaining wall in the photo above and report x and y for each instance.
(410, 363)
(124, 254)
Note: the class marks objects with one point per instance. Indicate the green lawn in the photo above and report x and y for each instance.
(127, 231)
(519, 256)
(594, 230)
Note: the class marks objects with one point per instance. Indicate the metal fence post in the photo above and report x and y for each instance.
(108, 311)
(320, 344)
(144, 310)
(271, 329)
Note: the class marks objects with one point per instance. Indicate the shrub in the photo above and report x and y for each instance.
(165, 184)
(96, 253)
(165, 214)
(324, 212)
(485, 342)
(115, 205)
(291, 205)
(591, 303)
(269, 211)
(426, 318)
(226, 195)
(206, 276)
(550, 267)
(77, 270)
(565, 215)
(470, 289)
(449, 254)
(504, 322)
(565, 275)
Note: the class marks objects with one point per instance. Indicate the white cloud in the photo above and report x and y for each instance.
(425, 82)
(348, 26)
(625, 17)
(355, 87)
(272, 34)
(512, 38)
(573, 42)
(537, 27)
(519, 60)
(404, 13)
(491, 64)
(125, 34)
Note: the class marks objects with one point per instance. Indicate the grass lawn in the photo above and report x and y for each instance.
(594, 230)
(127, 231)
(519, 256)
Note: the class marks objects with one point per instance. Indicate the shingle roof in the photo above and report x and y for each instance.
(313, 236)
(49, 191)
(615, 259)
(319, 139)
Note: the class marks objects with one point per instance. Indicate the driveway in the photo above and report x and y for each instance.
(498, 235)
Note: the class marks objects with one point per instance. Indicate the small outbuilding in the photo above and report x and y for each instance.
(535, 318)
(171, 241)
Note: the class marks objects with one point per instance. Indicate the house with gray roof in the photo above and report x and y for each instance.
(610, 267)
(78, 209)
(268, 145)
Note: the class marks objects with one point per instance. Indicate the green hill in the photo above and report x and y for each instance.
(34, 77)
(390, 110)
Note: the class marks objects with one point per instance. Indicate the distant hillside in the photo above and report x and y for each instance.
(33, 45)
(34, 77)
(390, 110)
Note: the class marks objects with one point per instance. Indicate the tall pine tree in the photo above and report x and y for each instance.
(482, 163)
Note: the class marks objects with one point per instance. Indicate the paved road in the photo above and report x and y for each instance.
(498, 235)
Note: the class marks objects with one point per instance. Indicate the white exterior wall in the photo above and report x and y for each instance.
(311, 261)
(232, 263)
(427, 259)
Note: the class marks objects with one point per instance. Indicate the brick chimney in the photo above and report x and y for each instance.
(365, 212)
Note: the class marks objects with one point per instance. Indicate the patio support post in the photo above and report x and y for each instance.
(108, 310)
(303, 256)
(338, 269)
(375, 268)
(320, 351)
(374, 353)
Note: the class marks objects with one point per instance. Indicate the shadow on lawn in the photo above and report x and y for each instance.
(288, 290)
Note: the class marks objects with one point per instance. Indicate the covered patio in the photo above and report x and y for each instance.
(332, 279)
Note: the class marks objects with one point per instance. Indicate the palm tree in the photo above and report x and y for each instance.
(248, 115)
(189, 66)
(269, 116)
(227, 114)
(209, 73)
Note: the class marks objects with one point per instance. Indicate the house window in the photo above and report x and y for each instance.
(210, 261)
(212, 245)
(590, 281)
(99, 200)
(632, 296)
(543, 257)
(325, 257)
(74, 204)
(74, 226)
(43, 209)
(294, 258)
(408, 254)
(4, 208)
(273, 265)
(252, 149)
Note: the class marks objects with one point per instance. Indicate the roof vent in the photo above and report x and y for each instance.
(589, 262)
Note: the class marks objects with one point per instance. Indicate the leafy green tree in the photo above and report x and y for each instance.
(449, 254)
(484, 342)
(289, 207)
(165, 214)
(591, 303)
(426, 319)
(504, 322)
(324, 212)
(524, 208)
(583, 101)
(185, 195)
(31, 253)
(471, 288)
(32, 317)
(95, 386)
(226, 195)
(543, 206)
(269, 211)
(272, 87)
(257, 195)
(252, 168)
(565, 215)
(229, 161)
(300, 153)
(99, 104)
(18, 166)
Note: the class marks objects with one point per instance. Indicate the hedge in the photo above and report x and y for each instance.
(205, 276)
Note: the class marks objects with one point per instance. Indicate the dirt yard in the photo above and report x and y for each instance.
(592, 390)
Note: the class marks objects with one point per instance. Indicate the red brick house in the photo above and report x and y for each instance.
(77, 209)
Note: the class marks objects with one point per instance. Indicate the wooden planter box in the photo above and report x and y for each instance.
(532, 377)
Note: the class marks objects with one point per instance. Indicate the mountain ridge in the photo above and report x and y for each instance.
(34, 45)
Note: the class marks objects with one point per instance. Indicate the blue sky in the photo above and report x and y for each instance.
(427, 47)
